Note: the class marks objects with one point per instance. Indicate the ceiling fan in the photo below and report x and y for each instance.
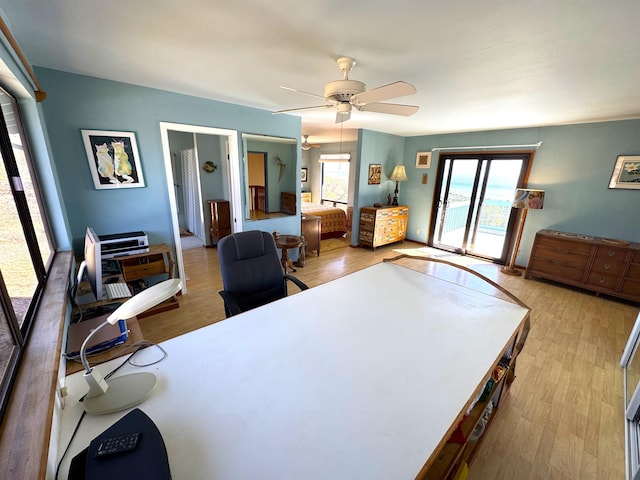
(306, 145)
(347, 94)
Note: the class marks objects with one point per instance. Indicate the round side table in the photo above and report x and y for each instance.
(285, 242)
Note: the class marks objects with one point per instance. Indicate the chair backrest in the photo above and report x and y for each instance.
(250, 267)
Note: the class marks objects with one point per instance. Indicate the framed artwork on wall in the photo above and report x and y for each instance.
(375, 171)
(626, 172)
(423, 160)
(113, 159)
(303, 176)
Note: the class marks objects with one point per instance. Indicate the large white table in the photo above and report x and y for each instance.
(362, 377)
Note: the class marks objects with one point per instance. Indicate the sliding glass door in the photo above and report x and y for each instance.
(472, 214)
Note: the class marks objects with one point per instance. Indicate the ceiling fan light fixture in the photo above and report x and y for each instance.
(345, 94)
(343, 90)
(305, 145)
(343, 108)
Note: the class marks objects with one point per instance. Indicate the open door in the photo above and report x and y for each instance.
(231, 170)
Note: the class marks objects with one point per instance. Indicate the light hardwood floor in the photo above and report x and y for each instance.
(562, 418)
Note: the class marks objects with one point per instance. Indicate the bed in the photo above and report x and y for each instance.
(333, 223)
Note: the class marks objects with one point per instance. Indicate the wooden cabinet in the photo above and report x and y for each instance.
(139, 268)
(311, 232)
(305, 197)
(382, 225)
(288, 202)
(138, 271)
(603, 265)
(630, 287)
(220, 220)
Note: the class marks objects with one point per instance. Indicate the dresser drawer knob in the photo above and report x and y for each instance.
(603, 280)
(611, 253)
(607, 266)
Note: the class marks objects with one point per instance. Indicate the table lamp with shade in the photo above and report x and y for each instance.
(398, 175)
(125, 391)
(525, 199)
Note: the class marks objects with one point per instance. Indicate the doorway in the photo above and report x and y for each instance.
(229, 170)
(257, 178)
(472, 211)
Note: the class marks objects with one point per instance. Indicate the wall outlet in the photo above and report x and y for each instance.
(417, 231)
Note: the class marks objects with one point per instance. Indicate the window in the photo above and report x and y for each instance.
(25, 248)
(335, 182)
(473, 214)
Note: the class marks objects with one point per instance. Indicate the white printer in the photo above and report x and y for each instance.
(122, 244)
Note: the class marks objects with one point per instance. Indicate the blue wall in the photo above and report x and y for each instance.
(383, 149)
(573, 165)
(76, 102)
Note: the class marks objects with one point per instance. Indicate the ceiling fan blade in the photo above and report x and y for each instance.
(301, 91)
(391, 108)
(343, 116)
(302, 108)
(386, 92)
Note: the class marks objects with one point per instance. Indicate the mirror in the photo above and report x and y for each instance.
(270, 171)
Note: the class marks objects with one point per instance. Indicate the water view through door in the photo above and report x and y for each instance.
(473, 211)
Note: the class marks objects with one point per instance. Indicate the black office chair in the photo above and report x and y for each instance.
(251, 271)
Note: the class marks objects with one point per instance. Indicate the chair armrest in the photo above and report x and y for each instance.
(301, 285)
(230, 303)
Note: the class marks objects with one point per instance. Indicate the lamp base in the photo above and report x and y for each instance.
(511, 271)
(124, 392)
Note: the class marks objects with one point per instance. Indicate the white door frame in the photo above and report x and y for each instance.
(233, 164)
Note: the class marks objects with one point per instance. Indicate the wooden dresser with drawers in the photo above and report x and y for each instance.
(382, 225)
(603, 265)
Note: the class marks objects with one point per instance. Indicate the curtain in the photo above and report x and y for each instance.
(190, 193)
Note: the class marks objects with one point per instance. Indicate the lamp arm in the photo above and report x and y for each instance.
(97, 384)
(129, 309)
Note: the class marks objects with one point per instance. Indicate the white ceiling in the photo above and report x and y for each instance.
(477, 64)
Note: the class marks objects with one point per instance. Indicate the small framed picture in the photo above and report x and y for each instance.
(375, 171)
(423, 160)
(303, 175)
(626, 172)
(113, 159)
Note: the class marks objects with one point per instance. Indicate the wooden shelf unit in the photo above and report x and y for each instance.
(602, 265)
(136, 269)
(458, 450)
(382, 225)
(288, 203)
(139, 267)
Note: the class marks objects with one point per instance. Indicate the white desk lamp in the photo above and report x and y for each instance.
(125, 391)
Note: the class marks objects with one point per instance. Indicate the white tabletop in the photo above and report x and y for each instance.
(358, 378)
